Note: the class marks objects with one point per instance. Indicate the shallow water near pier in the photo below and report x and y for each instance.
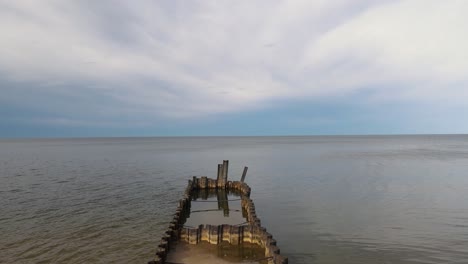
(215, 207)
(334, 199)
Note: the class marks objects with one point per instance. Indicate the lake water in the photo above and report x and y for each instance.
(334, 199)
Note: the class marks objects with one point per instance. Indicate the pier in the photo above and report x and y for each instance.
(232, 229)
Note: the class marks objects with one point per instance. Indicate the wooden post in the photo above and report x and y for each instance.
(225, 170)
(244, 173)
(222, 176)
(220, 173)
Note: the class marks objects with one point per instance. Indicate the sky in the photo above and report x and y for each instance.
(202, 68)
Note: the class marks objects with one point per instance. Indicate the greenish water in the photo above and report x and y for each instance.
(358, 199)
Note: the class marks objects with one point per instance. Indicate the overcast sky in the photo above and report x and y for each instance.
(162, 68)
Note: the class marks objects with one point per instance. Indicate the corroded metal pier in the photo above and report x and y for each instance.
(246, 234)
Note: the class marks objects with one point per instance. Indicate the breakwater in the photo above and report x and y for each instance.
(250, 231)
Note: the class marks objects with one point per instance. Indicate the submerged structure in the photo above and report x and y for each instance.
(229, 232)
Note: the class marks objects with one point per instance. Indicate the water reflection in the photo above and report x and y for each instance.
(216, 207)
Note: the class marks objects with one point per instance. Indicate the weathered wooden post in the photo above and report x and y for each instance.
(225, 173)
(225, 169)
(220, 174)
(222, 177)
(244, 173)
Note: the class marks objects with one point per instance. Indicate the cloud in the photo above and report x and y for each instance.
(415, 46)
(173, 59)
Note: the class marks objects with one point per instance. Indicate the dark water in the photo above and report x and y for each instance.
(378, 199)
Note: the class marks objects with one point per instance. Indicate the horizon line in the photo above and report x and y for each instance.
(233, 136)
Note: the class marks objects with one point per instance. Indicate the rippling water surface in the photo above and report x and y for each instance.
(360, 199)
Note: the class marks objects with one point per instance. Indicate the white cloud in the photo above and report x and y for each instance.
(179, 59)
(416, 44)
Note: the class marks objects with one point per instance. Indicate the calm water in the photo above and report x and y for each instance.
(334, 200)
